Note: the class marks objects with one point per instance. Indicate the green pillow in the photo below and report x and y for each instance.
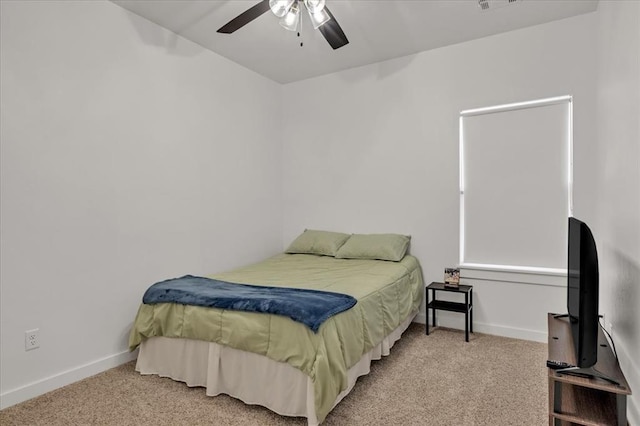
(318, 242)
(375, 246)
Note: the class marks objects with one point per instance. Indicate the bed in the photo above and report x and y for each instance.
(272, 360)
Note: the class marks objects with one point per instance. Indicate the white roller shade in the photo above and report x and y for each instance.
(516, 184)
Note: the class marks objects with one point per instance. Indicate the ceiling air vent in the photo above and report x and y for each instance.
(486, 5)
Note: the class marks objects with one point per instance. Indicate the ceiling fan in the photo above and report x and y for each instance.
(289, 13)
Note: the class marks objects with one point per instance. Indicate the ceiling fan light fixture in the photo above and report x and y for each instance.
(292, 18)
(318, 18)
(280, 7)
(314, 6)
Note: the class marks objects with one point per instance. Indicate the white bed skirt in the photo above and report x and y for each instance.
(252, 378)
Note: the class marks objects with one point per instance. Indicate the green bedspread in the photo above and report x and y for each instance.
(387, 293)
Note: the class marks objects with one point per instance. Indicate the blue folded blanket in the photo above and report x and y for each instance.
(310, 307)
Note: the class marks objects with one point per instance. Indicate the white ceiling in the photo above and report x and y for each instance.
(377, 29)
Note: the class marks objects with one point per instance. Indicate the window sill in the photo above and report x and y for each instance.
(515, 274)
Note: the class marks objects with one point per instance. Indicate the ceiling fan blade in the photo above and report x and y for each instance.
(332, 32)
(245, 17)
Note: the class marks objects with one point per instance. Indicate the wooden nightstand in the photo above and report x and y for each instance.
(466, 308)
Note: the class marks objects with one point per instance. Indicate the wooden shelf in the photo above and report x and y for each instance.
(575, 399)
(581, 400)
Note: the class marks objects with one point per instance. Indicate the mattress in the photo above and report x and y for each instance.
(387, 292)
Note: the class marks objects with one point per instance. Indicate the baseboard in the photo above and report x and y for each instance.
(496, 330)
(59, 380)
(512, 332)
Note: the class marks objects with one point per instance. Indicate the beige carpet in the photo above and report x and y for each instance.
(427, 380)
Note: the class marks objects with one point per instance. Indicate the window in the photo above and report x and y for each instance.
(516, 186)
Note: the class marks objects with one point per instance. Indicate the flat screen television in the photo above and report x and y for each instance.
(582, 292)
(582, 301)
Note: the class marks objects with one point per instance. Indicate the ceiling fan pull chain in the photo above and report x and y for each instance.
(299, 31)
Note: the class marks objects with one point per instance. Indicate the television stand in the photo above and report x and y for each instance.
(591, 396)
(589, 372)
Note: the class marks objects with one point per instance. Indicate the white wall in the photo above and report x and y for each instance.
(375, 149)
(617, 229)
(126, 158)
(129, 155)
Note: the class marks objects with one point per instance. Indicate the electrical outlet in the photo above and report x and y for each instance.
(31, 339)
